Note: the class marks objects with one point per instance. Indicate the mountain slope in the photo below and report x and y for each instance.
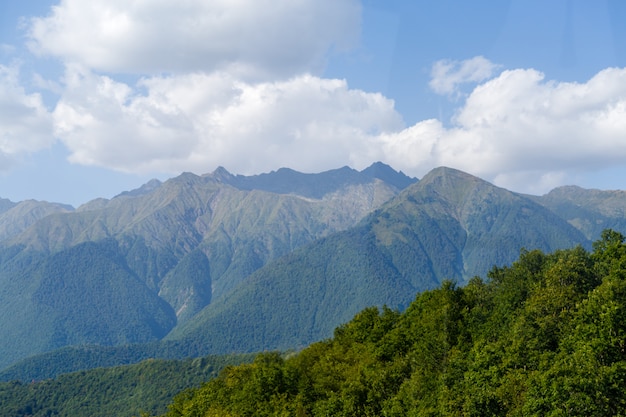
(177, 246)
(450, 225)
(82, 295)
(121, 391)
(495, 222)
(17, 217)
(543, 337)
(590, 211)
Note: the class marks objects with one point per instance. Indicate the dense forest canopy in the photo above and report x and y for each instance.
(545, 336)
(120, 391)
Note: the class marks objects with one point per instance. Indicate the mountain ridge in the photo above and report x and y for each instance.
(289, 181)
(186, 241)
(589, 210)
(199, 253)
(430, 232)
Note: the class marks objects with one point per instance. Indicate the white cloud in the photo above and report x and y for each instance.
(25, 124)
(228, 82)
(528, 122)
(255, 39)
(447, 75)
(526, 133)
(517, 129)
(198, 121)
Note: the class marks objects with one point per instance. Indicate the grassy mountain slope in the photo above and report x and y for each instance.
(590, 211)
(495, 223)
(17, 217)
(299, 298)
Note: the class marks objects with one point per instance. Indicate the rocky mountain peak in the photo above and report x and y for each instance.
(386, 173)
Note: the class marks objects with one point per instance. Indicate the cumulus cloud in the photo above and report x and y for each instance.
(198, 121)
(517, 129)
(448, 75)
(253, 39)
(234, 83)
(526, 133)
(528, 122)
(25, 123)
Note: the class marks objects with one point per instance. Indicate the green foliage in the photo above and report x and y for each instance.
(187, 288)
(545, 336)
(123, 391)
(83, 295)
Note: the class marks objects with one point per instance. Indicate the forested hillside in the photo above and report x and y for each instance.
(130, 269)
(121, 391)
(545, 336)
(450, 225)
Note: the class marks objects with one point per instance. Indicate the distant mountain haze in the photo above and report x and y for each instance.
(223, 263)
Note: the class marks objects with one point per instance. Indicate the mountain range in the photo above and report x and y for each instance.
(223, 263)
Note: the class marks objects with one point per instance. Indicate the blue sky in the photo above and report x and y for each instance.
(98, 97)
